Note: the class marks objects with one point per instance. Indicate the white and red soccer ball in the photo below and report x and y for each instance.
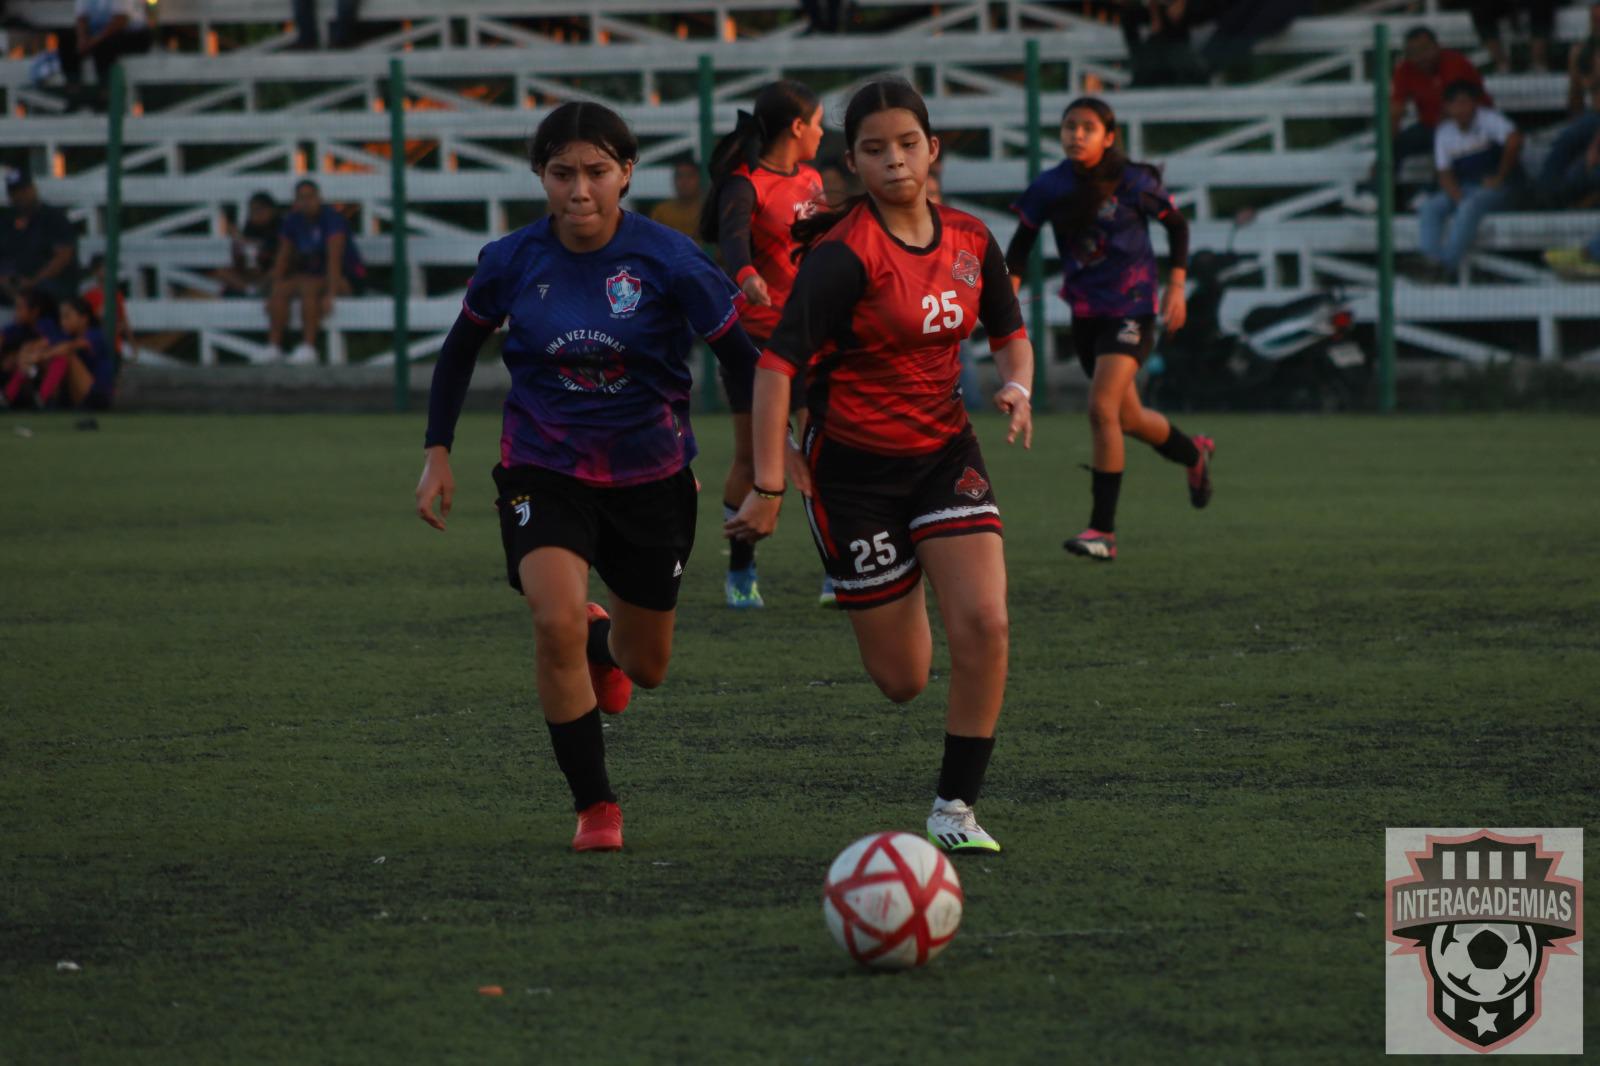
(892, 900)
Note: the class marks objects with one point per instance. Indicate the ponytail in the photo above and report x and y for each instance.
(776, 108)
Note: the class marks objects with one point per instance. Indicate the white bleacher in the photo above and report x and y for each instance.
(969, 55)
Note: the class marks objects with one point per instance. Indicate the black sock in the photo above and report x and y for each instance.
(966, 760)
(1178, 448)
(599, 649)
(1106, 488)
(581, 754)
(741, 553)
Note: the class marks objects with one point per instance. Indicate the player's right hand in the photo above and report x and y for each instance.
(794, 465)
(437, 483)
(755, 291)
(757, 518)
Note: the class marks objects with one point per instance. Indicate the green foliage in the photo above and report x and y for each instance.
(274, 773)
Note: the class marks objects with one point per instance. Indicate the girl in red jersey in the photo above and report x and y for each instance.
(893, 479)
(1100, 205)
(763, 186)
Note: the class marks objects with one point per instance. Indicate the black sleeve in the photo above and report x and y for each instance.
(738, 354)
(1021, 247)
(1177, 228)
(831, 282)
(451, 376)
(998, 309)
(734, 208)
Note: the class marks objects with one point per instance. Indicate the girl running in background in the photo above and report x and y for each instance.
(1099, 204)
(762, 187)
(595, 452)
(893, 479)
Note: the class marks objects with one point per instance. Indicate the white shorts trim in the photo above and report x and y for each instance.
(859, 583)
(951, 513)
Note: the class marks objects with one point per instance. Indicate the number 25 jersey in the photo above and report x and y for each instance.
(881, 323)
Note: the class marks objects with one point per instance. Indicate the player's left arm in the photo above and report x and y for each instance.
(1174, 303)
(1001, 316)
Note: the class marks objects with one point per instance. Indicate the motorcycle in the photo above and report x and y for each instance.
(1303, 355)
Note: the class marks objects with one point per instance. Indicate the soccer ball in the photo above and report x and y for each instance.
(1484, 962)
(892, 900)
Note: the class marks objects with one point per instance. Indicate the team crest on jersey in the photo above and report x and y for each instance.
(804, 209)
(972, 484)
(623, 290)
(966, 268)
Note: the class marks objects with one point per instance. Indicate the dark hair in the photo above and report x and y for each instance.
(1462, 87)
(263, 198)
(589, 123)
(1421, 31)
(884, 94)
(777, 106)
(307, 183)
(1099, 183)
(80, 305)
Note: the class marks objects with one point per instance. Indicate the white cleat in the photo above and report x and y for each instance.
(303, 355)
(953, 827)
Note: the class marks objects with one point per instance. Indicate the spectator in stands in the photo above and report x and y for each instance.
(105, 31)
(1486, 18)
(254, 247)
(1576, 262)
(1419, 80)
(79, 370)
(682, 212)
(317, 262)
(1477, 151)
(95, 296)
(1163, 55)
(342, 35)
(34, 328)
(1241, 25)
(38, 245)
(1571, 172)
(836, 185)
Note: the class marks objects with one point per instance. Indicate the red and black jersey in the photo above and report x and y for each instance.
(881, 324)
(755, 210)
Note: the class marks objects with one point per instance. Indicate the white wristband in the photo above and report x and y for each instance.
(1026, 395)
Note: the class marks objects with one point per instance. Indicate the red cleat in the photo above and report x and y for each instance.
(612, 687)
(1200, 472)
(599, 828)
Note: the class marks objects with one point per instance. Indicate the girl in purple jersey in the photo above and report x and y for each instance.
(594, 458)
(1099, 205)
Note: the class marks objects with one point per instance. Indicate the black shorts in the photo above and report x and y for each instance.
(869, 512)
(638, 538)
(797, 388)
(1093, 337)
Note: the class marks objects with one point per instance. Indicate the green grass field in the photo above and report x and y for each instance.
(272, 771)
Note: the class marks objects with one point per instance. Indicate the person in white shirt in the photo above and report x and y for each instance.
(107, 30)
(1477, 151)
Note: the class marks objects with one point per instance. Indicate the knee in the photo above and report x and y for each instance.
(902, 688)
(981, 632)
(559, 629)
(1105, 412)
(647, 671)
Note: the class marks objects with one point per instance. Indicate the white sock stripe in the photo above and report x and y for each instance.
(951, 513)
(852, 584)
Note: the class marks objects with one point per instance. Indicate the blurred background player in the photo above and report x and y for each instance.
(762, 185)
(595, 452)
(893, 479)
(1100, 204)
(317, 263)
(682, 212)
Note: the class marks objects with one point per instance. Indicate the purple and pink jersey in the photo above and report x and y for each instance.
(1111, 270)
(598, 347)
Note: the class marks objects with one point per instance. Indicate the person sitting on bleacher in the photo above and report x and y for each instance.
(317, 262)
(253, 248)
(106, 30)
(38, 244)
(1419, 80)
(1571, 172)
(1477, 151)
(32, 331)
(80, 370)
(1486, 17)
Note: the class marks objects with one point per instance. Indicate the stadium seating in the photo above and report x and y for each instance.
(1293, 141)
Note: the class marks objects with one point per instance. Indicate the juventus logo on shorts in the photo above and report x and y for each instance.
(543, 288)
(1130, 331)
(524, 512)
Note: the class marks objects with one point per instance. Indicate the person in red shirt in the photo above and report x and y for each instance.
(1419, 80)
(893, 480)
(763, 186)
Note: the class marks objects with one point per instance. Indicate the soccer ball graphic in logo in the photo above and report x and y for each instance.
(1486, 962)
(892, 900)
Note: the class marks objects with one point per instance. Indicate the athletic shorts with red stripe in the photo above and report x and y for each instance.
(869, 512)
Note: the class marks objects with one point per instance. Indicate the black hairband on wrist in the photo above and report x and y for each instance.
(767, 494)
